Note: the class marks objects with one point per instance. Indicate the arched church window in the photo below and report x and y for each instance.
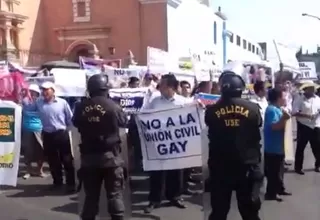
(81, 10)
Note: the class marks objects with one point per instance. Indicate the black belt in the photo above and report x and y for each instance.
(60, 131)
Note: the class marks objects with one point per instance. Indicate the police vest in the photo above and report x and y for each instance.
(99, 130)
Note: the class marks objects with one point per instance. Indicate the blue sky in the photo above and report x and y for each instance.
(265, 20)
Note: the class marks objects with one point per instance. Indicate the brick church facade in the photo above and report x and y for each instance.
(36, 31)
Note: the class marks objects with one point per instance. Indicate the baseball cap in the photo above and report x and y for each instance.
(48, 85)
(34, 87)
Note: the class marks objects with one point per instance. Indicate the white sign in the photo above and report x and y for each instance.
(123, 73)
(170, 139)
(185, 76)
(160, 61)
(288, 142)
(10, 142)
(308, 70)
(70, 82)
(203, 64)
(157, 59)
(287, 56)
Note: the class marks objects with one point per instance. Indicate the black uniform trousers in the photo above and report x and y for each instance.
(274, 172)
(170, 179)
(57, 149)
(306, 134)
(186, 177)
(245, 180)
(113, 179)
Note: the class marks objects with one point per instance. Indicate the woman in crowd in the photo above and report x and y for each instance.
(31, 134)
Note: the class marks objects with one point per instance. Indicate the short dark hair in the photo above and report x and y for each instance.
(259, 86)
(184, 82)
(171, 81)
(133, 79)
(274, 94)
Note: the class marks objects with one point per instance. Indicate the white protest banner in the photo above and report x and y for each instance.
(308, 70)
(170, 139)
(10, 142)
(39, 79)
(70, 82)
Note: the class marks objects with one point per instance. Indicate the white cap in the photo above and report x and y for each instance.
(34, 87)
(48, 85)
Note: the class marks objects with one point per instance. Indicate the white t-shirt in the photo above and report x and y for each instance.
(263, 104)
(310, 107)
(289, 100)
(160, 102)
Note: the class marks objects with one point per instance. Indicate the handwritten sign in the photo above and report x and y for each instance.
(7, 125)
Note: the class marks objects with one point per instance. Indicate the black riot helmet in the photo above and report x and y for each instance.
(231, 84)
(97, 84)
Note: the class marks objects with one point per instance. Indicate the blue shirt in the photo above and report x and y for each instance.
(30, 118)
(273, 139)
(55, 115)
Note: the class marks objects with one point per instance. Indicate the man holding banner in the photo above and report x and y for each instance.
(173, 178)
(234, 151)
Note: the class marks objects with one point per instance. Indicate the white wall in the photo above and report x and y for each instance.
(190, 26)
(235, 52)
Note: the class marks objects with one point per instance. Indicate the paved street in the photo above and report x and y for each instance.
(29, 201)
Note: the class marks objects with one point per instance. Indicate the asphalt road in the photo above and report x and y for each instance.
(30, 201)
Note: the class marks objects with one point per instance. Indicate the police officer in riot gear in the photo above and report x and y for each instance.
(234, 151)
(98, 120)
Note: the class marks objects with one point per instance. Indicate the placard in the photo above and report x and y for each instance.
(157, 59)
(10, 142)
(7, 120)
(70, 82)
(287, 56)
(130, 99)
(308, 70)
(203, 64)
(288, 142)
(170, 139)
